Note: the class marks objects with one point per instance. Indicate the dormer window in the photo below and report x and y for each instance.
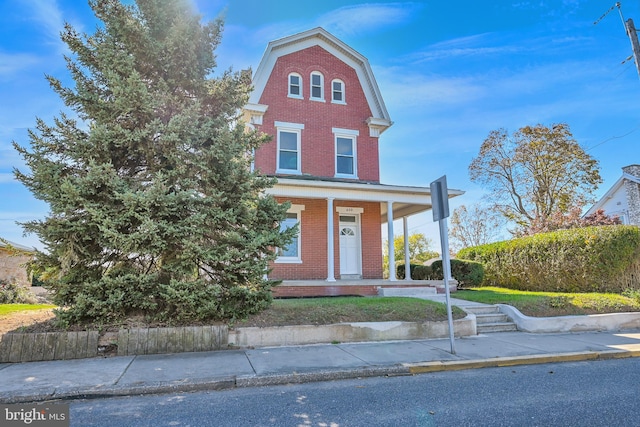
(317, 83)
(337, 92)
(295, 85)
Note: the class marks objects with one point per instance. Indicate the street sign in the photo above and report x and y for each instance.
(440, 208)
(440, 199)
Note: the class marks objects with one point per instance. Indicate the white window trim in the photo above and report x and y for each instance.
(311, 86)
(293, 128)
(292, 95)
(353, 136)
(296, 209)
(344, 99)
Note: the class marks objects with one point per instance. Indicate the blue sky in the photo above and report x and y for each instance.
(449, 72)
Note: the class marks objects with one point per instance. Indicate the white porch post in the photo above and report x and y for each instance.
(407, 260)
(330, 249)
(392, 254)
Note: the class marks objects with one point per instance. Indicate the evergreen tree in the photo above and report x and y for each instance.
(154, 209)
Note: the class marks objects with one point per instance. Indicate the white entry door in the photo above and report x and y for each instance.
(350, 252)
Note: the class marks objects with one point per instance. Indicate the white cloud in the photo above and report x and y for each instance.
(6, 177)
(500, 47)
(12, 64)
(48, 14)
(344, 21)
(367, 18)
(409, 90)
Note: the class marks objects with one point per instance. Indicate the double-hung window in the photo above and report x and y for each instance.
(317, 86)
(346, 159)
(292, 252)
(295, 85)
(289, 135)
(337, 92)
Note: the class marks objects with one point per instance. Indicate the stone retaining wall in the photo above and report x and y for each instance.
(172, 340)
(31, 347)
(17, 347)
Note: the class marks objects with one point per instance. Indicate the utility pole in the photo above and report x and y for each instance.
(630, 29)
(633, 36)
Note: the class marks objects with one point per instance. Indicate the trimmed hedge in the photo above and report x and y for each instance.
(467, 273)
(418, 272)
(590, 259)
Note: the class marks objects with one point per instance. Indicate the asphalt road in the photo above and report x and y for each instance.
(601, 393)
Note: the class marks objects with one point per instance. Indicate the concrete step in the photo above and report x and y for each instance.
(496, 327)
(482, 309)
(407, 292)
(492, 318)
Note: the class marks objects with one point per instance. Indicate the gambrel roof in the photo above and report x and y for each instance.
(320, 37)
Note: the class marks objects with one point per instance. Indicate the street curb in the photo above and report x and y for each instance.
(119, 391)
(225, 383)
(456, 365)
(327, 375)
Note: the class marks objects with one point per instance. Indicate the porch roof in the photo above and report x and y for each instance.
(6, 243)
(406, 200)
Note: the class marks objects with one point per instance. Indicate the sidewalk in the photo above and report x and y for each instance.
(125, 375)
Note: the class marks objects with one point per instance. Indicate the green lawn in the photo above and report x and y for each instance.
(12, 308)
(540, 304)
(322, 311)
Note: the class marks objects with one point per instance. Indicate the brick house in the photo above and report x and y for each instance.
(319, 100)
(623, 198)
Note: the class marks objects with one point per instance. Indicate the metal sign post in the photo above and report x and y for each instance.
(440, 208)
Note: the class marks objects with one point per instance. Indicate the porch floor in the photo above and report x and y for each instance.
(361, 287)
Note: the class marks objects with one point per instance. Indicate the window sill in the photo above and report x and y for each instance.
(317, 99)
(339, 102)
(288, 261)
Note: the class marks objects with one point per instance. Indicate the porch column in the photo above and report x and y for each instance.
(330, 250)
(407, 258)
(392, 254)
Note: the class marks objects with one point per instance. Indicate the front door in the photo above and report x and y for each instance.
(350, 253)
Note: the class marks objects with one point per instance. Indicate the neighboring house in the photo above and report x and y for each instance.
(12, 262)
(623, 198)
(319, 100)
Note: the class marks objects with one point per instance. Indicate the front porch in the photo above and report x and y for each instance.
(363, 287)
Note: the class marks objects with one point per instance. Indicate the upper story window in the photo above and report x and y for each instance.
(295, 85)
(346, 158)
(317, 86)
(289, 136)
(337, 92)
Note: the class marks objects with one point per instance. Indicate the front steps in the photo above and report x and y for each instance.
(407, 292)
(490, 319)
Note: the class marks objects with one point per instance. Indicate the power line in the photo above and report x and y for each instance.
(612, 138)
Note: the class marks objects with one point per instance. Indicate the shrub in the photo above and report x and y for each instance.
(467, 273)
(590, 259)
(418, 271)
(13, 293)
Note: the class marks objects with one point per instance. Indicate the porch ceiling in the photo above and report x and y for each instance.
(406, 200)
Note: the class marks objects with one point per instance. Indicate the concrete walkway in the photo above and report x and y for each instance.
(172, 373)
